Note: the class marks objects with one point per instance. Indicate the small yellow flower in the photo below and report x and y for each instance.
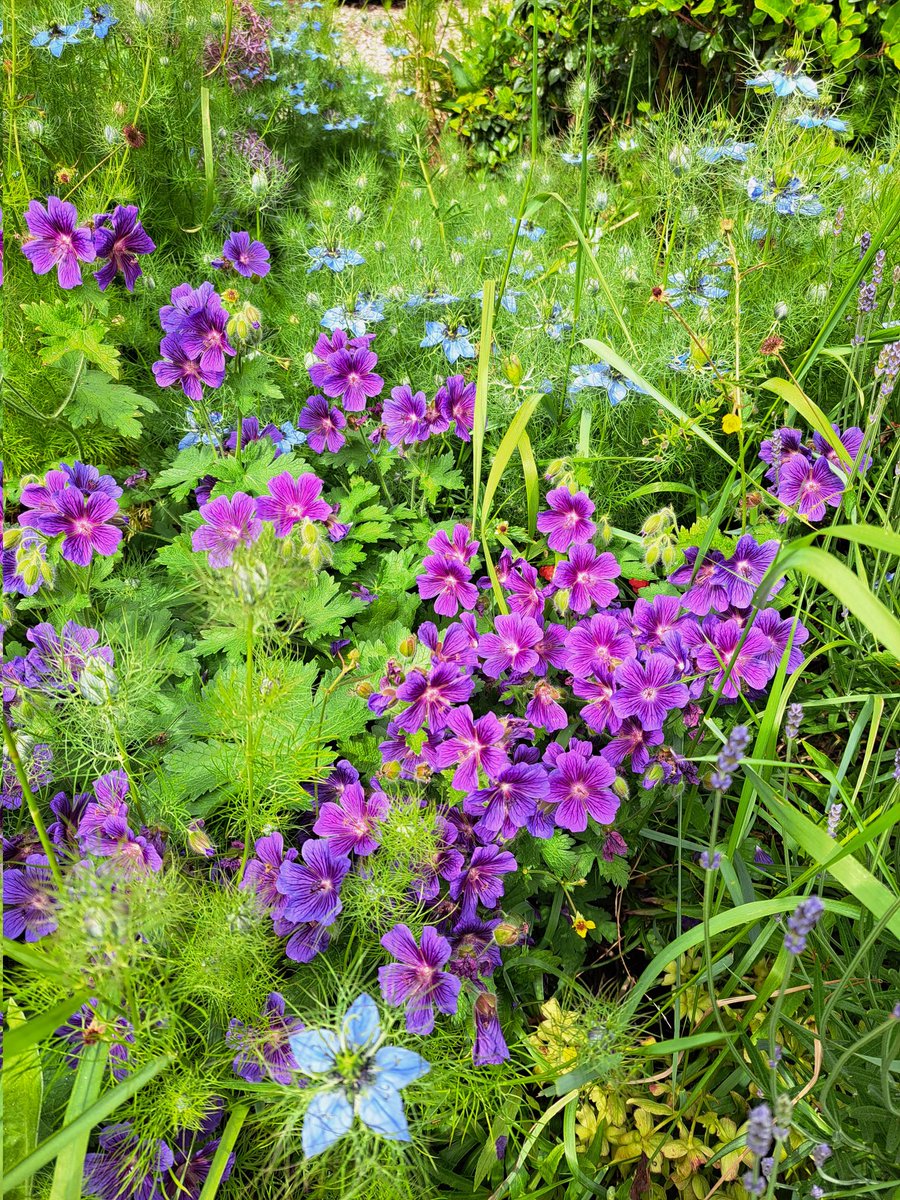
(731, 423)
(581, 926)
(231, 296)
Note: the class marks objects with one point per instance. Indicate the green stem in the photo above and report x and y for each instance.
(31, 800)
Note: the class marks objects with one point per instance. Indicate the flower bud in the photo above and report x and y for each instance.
(259, 183)
(144, 14)
(364, 689)
(97, 682)
(512, 368)
(408, 645)
(651, 554)
(510, 932)
(391, 770)
(199, 841)
(562, 601)
(780, 310)
(670, 556)
(620, 787)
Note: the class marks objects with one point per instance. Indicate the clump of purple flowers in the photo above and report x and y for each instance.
(195, 342)
(55, 239)
(81, 505)
(810, 477)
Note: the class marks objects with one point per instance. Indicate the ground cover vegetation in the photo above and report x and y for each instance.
(450, 612)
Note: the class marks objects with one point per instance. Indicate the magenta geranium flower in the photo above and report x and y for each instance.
(449, 580)
(323, 424)
(505, 805)
(431, 697)
(462, 546)
(456, 400)
(511, 646)
(310, 889)
(654, 619)
(85, 523)
(291, 500)
(185, 301)
(351, 823)
(418, 979)
(523, 592)
(229, 524)
(568, 520)
(475, 744)
(349, 374)
(580, 785)
(551, 649)
(632, 742)
(57, 240)
(248, 257)
(597, 646)
(120, 237)
(481, 882)
(649, 690)
(809, 487)
(598, 714)
(29, 893)
(718, 653)
(587, 576)
(489, 1047)
(177, 366)
(455, 644)
(204, 336)
(404, 417)
(544, 710)
(779, 632)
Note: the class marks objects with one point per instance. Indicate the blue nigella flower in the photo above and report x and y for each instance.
(686, 361)
(366, 312)
(290, 438)
(509, 300)
(453, 339)
(397, 51)
(602, 375)
(359, 1077)
(306, 108)
(556, 327)
(297, 89)
(534, 233)
(439, 299)
(335, 259)
(818, 117)
(194, 437)
(789, 199)
(699, 289)
(56, 38)
(786, 82)
(406, 91)
(315, 54)
(346, 123)
(574, 160)
(736, 151)
(100, 19)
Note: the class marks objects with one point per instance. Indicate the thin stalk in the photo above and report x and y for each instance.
(31, 800)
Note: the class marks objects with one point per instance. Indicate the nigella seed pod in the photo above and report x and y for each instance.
(780, 310)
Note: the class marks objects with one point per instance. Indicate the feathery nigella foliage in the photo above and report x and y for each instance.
(450, 628)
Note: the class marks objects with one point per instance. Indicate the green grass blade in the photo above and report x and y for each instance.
(69, 1171)
(811, 413)
(532, 483)
(23, 1096)
(505, 451)
(226, 1145)
(481, 387)
(75, 1134)
(208, 163)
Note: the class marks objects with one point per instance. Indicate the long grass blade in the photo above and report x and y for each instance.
(481, 387)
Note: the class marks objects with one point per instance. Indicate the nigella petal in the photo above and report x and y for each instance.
(380, 1107)
(361, 1026)
(328, 1117)
(397, 1067)
(315, 1050)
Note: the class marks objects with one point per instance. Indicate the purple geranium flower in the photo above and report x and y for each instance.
(632, 742)
(265, 1052)
(204, 337)
(323, 424)
(654, 619)
(29, 893)
(449, 580)
(649, 690)
(587, 576)
(511, 647)
(597, 646)
(456, 400)
(481, 882)
(568, 520)
(524, 594)
(351, 823)
(88, 479)
(475, 744)
(404, 417)
(261, 873)
(58, 659)
(311, 890)
(808, 487)
(718, 653)
(348, 373)
(489, 1048)
(431, 697)
(248, 257)
(229, 524)
(120, 238)
(745, 569)
(124, 1167)
(291, 500)
(475, 953)
(418, 978)
(462, 546)
(506, 805)
(778, 632)
(85, 524)
(191, 1162)
(305, 939)
(852, 440)
(544, 710)
(178, 366)
(580, 787)
(708, 589)
(85, 1027)
(57, 240)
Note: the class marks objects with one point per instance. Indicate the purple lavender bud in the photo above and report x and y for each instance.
(838, 221)
(878, 267)
(802, 921)
(897, 765)
(759, 1130)
(821, 1155)
(816, 1193)
(888, 367)
(765, 1165)
(834, 819)
(755, 1187)
(895, 1011)
(784, 1117)
(794, 718)
(864, 243)
(868, 294)
(710, 864)
(720, 781)
(500, 1147)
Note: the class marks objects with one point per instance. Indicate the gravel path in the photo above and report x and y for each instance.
(371, 30)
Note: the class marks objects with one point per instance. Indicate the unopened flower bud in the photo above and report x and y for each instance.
(198, 840)
(562, 601)
(97, 682)
(510, 932)
(408, 645)
(391, 770)
(259, 183)
(620, 787)
(512, 368)
(670, 555)
(780, 310)
(364, 689)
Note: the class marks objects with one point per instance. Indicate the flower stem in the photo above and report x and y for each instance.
(31, 800)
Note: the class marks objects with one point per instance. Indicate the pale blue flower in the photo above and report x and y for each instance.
(789, 199)
(534, 233)
(194, 437)
(334, 258)
(699, 289)
(453, 339)
(509, 300)
(786, 82)
(315, 54)
(602, 375)
(100, 20)
(297, 89)
(397, 51)
(355, 322)
(574, 160)
(360, 1077)
(439, 299)
(818, 117)
(736, 151)
(306, 108)
(406, 91)
(290, 438)
(56, 38)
